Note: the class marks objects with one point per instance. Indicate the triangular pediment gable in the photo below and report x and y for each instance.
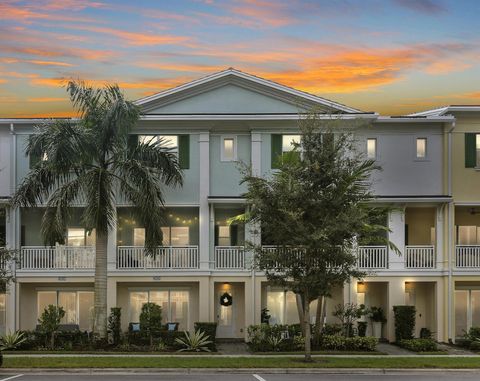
(234, 92)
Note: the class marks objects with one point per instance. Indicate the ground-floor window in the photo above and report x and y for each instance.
(174, 303)
(3, 313)
(282, 307)
(467, 310)
(78, 306)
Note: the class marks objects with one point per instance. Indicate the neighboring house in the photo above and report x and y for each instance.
(429, 173)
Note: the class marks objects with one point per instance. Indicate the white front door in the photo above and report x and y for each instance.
(225, 314)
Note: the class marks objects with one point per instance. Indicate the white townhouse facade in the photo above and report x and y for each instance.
(215, 123)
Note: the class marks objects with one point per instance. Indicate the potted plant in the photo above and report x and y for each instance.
(377, 316)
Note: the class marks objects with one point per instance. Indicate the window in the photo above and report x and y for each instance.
(477, 150)
(422, 148)
(80, 237)
(229, 148)
(289, 141)
(176, 235)
(467, 310)
(468, 235)
(372, 148)
(168, 141)
(282, 306)
(174, 303)
(224, 236)
(78, 306)
(138, 236)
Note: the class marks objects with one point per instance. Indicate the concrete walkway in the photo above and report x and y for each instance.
(391, 349)
(239, 348)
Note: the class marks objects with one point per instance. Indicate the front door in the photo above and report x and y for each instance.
(225, 313)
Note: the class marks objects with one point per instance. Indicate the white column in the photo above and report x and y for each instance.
(12, 242)
(439, 239)
(256, 153)
(396, 297)
(112, 246)
(204, 190)
(212, 233)
(396, 224)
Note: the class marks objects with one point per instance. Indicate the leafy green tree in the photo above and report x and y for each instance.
(313, 209)
(50, 321)
(151, 320)
(114, 324)
(93, 161)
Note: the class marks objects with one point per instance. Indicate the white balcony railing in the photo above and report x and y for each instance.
(372, 257)
(420, 257)
(57, 258)
(164, 257)
(229, 257)
(467, 256)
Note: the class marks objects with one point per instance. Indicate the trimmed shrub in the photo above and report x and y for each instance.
(210, 329)
(404, 322)
(332, 329)
(151, 320)
(362, 328)
(419, 345)
(475, 345)
(267, 338)
(342, 343)
(114, 324)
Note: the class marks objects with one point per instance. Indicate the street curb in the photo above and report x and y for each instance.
(180, 371)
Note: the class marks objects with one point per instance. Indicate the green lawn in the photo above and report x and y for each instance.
(259, 362)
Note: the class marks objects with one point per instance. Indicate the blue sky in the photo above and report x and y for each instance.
(391, 56)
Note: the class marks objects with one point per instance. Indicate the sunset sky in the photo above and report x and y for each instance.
(389, 56)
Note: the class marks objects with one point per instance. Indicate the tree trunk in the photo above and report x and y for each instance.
(308, 333)
(52, 340)
(300, 313)
(100, 327)
(318, 319)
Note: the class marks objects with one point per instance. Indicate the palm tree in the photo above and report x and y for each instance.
(92, 161)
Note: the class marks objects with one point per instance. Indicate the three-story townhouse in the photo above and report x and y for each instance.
(216, 124)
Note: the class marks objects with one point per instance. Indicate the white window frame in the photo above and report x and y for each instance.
(375, 156)
(169, 290)
(222, 147)
(421, 158)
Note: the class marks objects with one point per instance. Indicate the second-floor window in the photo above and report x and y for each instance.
(179, 144)
(280, 145)
(472, 150)
(372, 148)
(421, 148)
(228, 148)
(172, 236)
(80, 237)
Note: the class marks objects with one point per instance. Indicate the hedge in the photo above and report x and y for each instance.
(404, 322)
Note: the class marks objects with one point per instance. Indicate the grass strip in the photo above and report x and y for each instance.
(235, 363)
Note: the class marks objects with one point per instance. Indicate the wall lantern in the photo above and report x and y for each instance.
(361, 288)
(409, 287)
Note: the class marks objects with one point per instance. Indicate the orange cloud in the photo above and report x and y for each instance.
(46, 99)
(48, 63)
(180, 67)
(133, 38)
(446, 66)
(3, 80)
(86, 54)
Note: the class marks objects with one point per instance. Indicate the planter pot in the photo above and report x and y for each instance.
(377, 329)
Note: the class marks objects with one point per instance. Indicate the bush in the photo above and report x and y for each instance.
(342, 343)
(332, 329)
(266, 338)
(66, 340)
(151, 320)
(419, 345)
(475, 345)
(210, 330)
(50, 321)
(425, 333)
(474, 333)
(404, 322)
(362, 328)
(114, 324)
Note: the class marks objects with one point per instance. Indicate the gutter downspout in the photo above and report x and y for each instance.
(451, 209)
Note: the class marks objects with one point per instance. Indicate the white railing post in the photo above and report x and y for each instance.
(167, 257)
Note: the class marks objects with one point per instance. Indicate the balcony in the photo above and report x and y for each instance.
(467, 256)
(372, 257)
(229, 257)
(33, 258)
(165, 257)
(420, 257)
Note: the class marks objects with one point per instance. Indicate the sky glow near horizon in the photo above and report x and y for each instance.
(389, 56)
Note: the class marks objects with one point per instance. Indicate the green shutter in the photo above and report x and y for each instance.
(276, 150)
(132, 142)
(184, 151)
(470, 150)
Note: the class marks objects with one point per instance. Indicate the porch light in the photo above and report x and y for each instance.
(361, 288)
(409, 287)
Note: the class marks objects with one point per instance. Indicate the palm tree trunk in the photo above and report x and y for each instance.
(100, 327)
